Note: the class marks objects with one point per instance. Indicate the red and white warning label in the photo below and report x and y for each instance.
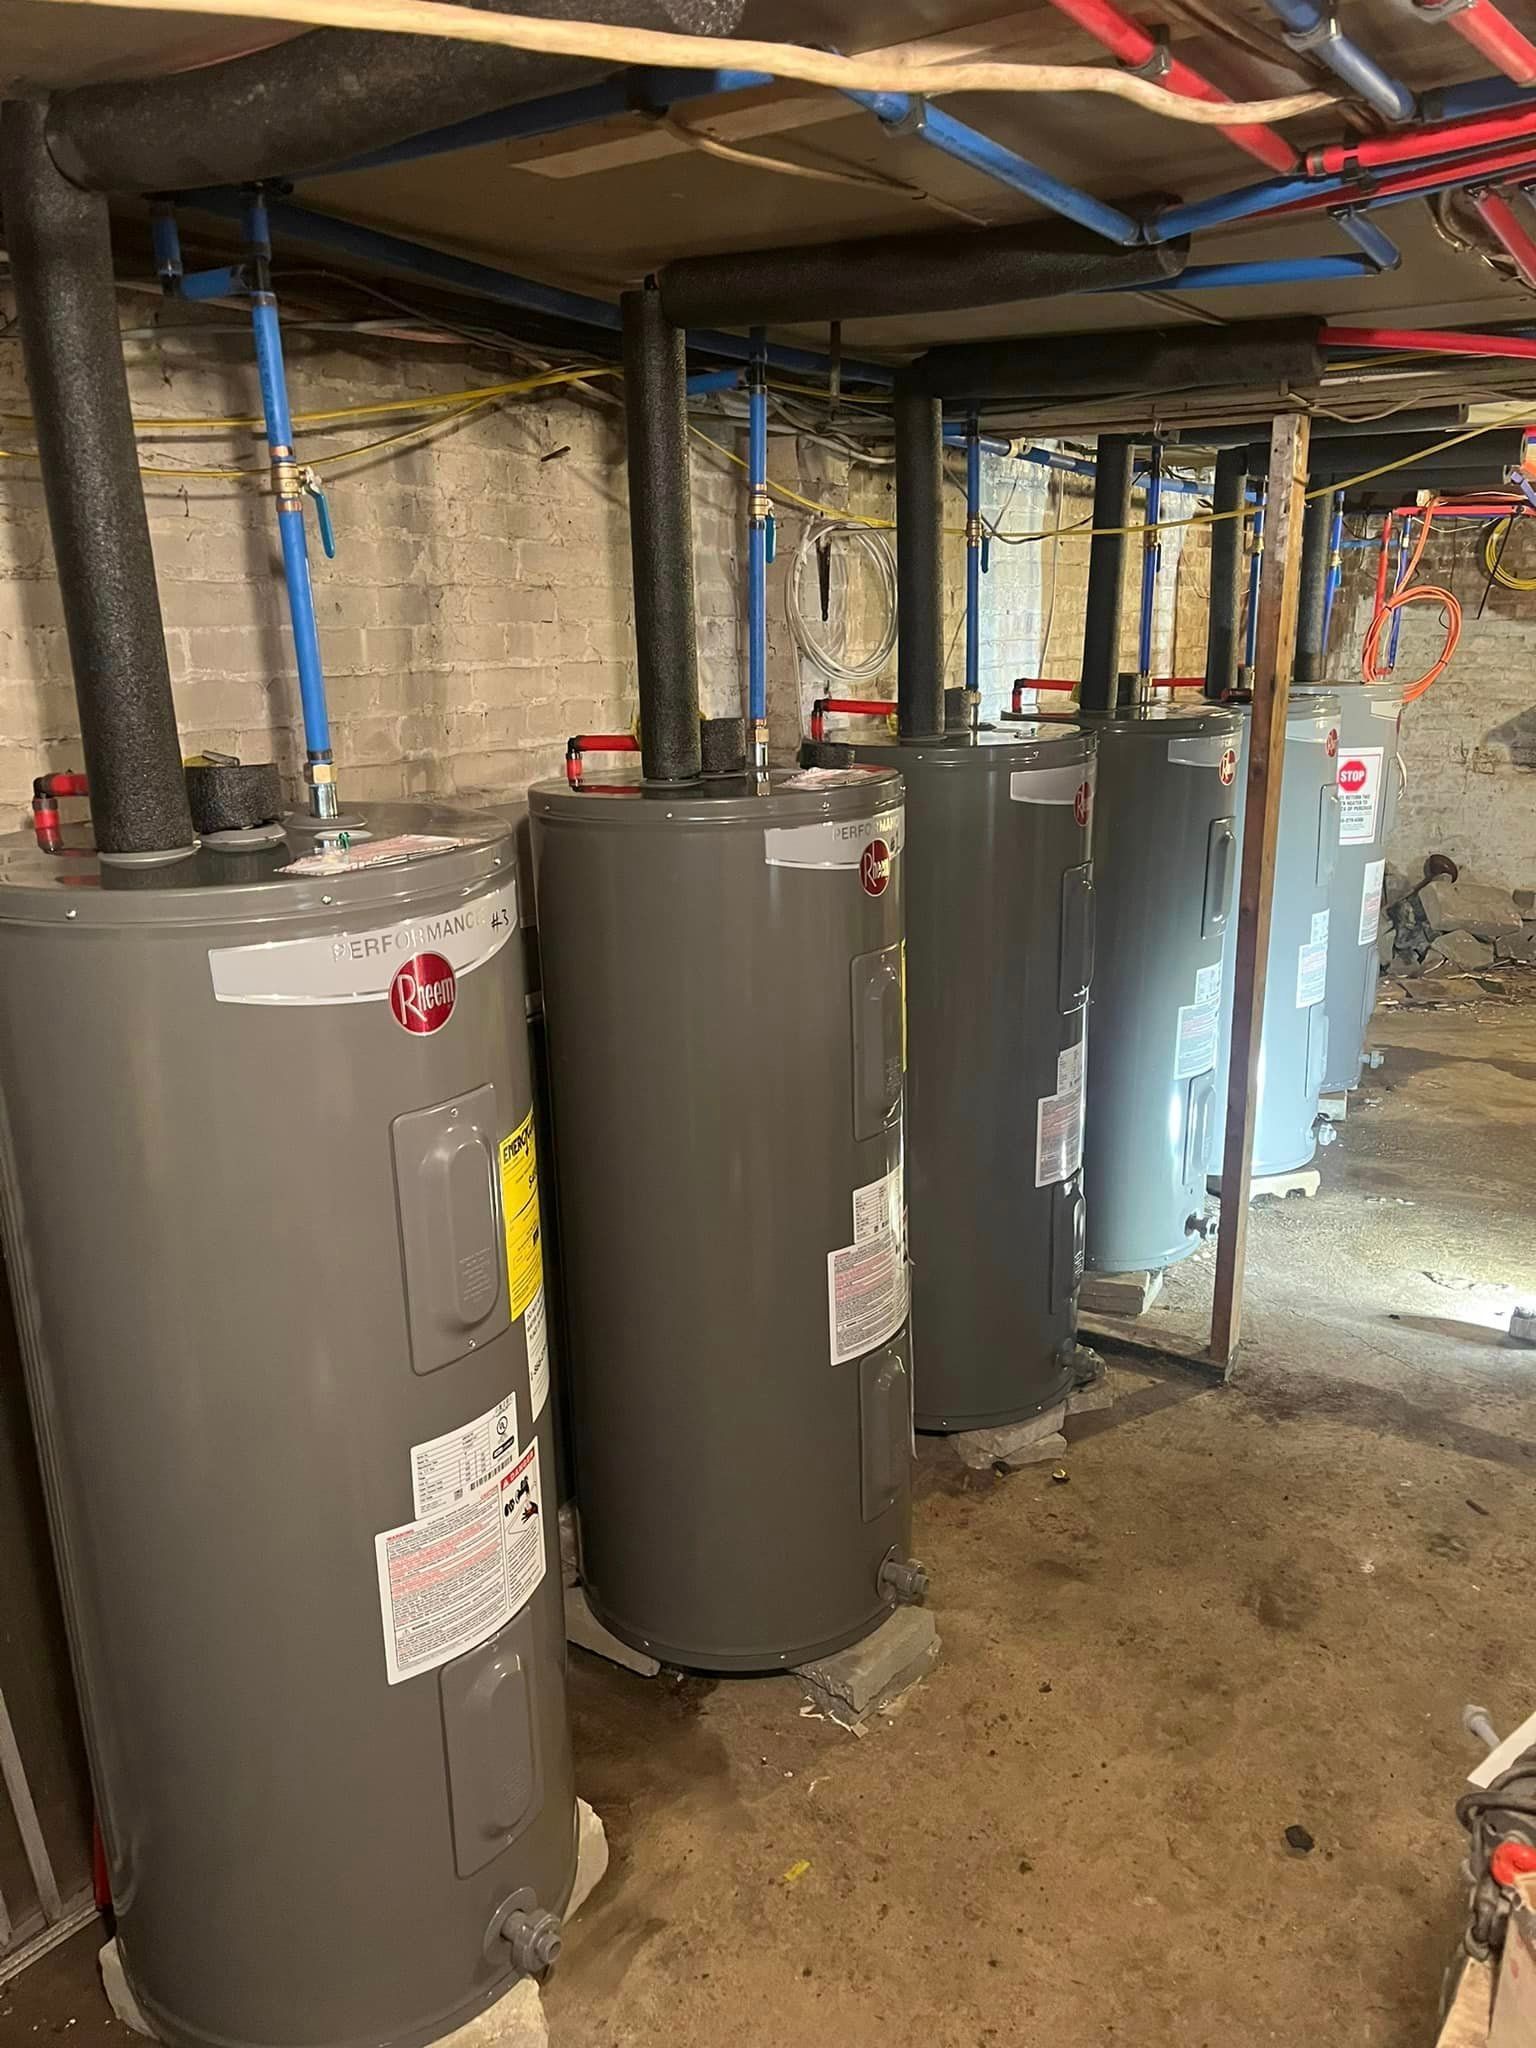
(1059, 1121)
(867, 1280)
(1371, 889)
(1199, 1022)
(1360, 780)
(1312, 964)
(463, 1568)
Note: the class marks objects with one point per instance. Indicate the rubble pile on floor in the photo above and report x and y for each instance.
(1455, 923)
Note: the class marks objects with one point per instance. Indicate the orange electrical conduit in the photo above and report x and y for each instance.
(1406, 592)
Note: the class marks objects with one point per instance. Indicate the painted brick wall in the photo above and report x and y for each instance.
(479, 609)
(1469, 744)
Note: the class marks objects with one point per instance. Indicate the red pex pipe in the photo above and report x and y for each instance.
(1139, 51)
(1372, 152)
(1484, 167)
(849, 707)
(1430, 341)
(595, 743)
(1489, 31)
(1505, 225)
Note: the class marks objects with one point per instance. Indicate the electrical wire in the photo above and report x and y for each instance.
(604, 43)
(827, 174)
(831, 657)
(1406, 592)
(1493, 557)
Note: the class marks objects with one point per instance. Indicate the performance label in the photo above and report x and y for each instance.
(1051, 785)
(1370, 900)
(360, 966)
(867, 1280)
(833, 842)
(1199, 1021)
(1059, 1121)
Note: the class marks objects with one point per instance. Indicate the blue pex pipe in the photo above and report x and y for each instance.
(1255, 566)
(906, 114)
(973, 559)
(1317, 33)
(1151, 561)
(1335, 565)
(291, 530)
(1209, 277)
(483, 280)
(757, 536)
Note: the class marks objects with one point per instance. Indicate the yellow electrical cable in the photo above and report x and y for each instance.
(257, 475)
(1505, 578)
(428, 402)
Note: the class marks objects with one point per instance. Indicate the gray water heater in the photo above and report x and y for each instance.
(1294, 1043)
(1370, 723)
(1164, 855)
(723, 989)
(999, 955)
(271, 1219)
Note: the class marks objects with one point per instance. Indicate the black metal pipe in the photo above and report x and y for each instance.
(61, 262)
(1312, 600)
(919, 563)
(323, 98)
(661, 540)
(898, 274)
(1106, 574)
(1223, 639)
(1257, 354)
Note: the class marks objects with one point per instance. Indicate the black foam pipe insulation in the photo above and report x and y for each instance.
(1223, 642)
(901, 274)
(919, 563)
(325, 97)
(1490, 452)
(1444, 419)
(661, 540)
(1259, 354)
(1100, 685)
(1312, 597)
(61, 264)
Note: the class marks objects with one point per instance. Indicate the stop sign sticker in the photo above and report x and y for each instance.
(1351, 777)
(1228, 767)
(423, 993)
(875, 867)
(1082, 803)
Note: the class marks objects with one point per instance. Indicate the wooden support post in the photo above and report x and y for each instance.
(1274, 654)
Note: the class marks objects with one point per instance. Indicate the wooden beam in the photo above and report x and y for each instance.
(1274, 653)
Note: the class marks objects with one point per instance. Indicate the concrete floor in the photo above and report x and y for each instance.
(1247, 1608)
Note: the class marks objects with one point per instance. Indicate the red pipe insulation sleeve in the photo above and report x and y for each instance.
(1139, 51)
(1490, 32)
(1372, 152)
(1429, 341)
(1505, 225)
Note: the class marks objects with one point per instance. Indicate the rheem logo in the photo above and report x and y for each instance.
(423, 993)
(1228, 767)
(1082, 803)
(875, 867)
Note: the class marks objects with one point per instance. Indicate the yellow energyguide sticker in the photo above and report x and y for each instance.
(520, 1213)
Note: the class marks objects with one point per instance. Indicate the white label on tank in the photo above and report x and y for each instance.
(877, 1208)
(1393, 709)
(1360, 781)
(522, 1529)
(449, 1580)
(1195, 1047)
(536, 1331)
(867, 1280)
(450, 1468)
(1204, 750)
(1059, 1121)
(1312, 964)
(371, 853)
(358, 965)
(832, 842)
(1372, 884)
(1053, 785)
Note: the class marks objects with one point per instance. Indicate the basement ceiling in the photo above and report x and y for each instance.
(595, 208)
